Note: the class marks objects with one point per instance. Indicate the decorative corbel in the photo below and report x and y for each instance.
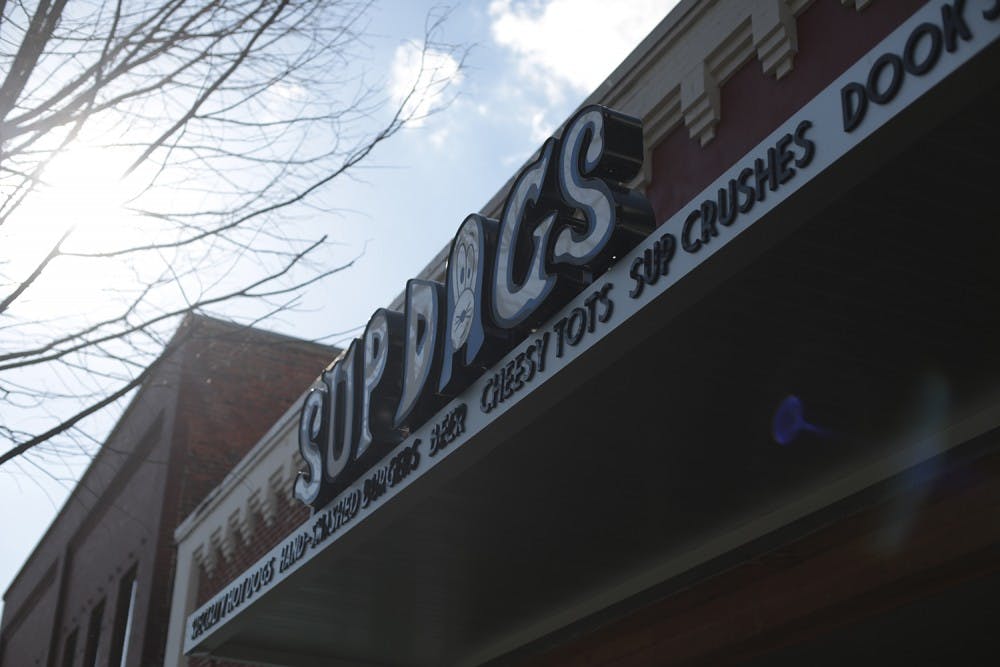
(221, 541)
(775, 36)
(261, 501)
(239, 525)
(204, 556)
(700, 103)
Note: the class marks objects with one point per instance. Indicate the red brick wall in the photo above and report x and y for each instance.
(831, 38)
(289, 515)
(218, 390)
(235, 384)
(235, 387)
(259, 396)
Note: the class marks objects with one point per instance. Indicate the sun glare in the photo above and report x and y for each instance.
(81, 193)
(83, 190)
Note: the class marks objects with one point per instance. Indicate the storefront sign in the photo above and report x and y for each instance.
(568, 214)
(527, 295)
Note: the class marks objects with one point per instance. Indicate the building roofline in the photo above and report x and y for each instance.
(186, 329)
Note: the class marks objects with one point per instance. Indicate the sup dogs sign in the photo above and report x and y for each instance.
(568, 215)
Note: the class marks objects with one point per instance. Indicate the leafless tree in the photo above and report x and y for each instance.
(226, 119)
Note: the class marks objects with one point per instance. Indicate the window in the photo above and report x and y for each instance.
(93, 635)
(124, 611)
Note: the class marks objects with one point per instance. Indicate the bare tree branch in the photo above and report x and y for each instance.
(22, 447)
(33, 276)
(225, 123)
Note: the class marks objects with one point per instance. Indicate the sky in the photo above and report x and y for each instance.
(529, 64)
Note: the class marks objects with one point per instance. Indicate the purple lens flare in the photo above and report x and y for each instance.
(789, 422)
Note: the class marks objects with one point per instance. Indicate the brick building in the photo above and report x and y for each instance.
(96, 589)
(765, 433)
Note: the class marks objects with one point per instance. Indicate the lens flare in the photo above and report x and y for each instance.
(789, 422)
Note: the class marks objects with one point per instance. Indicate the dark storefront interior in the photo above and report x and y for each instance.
(881, 315)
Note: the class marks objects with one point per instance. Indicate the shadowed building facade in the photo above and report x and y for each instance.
(96, 589)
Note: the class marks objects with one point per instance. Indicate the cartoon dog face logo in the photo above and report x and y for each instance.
(463, 283)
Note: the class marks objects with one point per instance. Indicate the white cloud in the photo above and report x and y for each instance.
(440, 136)
(426, 75)
(572, 43)
(291, 92)
(541, 127)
